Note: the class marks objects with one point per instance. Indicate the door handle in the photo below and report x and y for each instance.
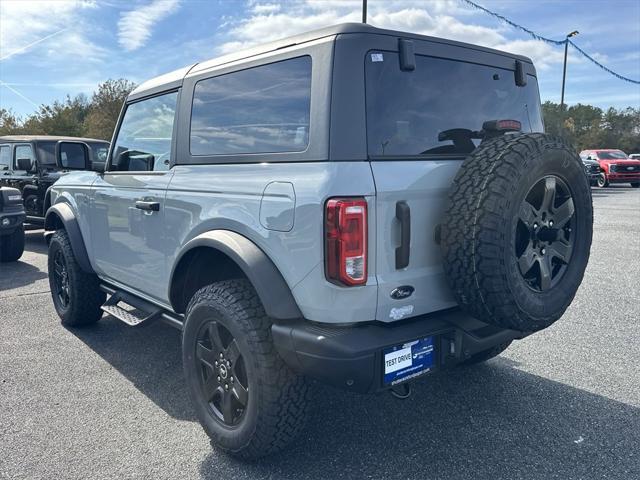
(403, 214)
(148, 206)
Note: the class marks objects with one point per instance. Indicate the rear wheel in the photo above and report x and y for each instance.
(246, 398)
(12, 246)
(517, 233)
(603, 181)
(76, 294)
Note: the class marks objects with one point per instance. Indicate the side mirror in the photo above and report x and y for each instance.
(72, 155)
(25, 164)
(98, 166)
(133, 161)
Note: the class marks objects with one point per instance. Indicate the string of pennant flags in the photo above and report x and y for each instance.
(549, 40)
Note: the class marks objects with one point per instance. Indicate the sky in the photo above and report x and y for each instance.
(53, 48)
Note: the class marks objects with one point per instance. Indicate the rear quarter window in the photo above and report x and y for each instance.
(264, 109)
(407, 111)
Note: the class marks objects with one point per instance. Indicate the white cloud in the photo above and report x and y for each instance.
(135, 26)
(52, 28)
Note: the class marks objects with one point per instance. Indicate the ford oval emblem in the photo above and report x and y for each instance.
(402, 292)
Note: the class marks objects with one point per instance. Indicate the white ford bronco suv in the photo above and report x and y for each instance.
(353, 205)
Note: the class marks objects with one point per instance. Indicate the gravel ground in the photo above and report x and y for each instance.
(110, 401)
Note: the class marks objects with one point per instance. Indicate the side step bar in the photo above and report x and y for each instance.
(144, 312)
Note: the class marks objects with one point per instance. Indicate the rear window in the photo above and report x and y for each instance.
(5, 157)
(99, 151)
(264, 109)
(408, 111)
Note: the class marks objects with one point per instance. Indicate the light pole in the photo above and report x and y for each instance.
(564, 68)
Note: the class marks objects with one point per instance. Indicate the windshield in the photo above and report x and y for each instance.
(47, 153)
(613, 155)
(439, 107)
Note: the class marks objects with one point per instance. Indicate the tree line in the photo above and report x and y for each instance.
(584, 126)
(77, 116)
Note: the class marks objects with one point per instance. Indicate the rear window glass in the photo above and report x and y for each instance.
(408, 111)
(99, 152)
(264, 109)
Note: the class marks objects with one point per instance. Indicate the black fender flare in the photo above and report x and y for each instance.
(61, 213)
(274, 293)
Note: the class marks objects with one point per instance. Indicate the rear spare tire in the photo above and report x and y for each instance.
(516, 235)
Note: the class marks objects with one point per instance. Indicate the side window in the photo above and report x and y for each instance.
(264, 109)
(23, 158)
(73, 155)
(144, 139)
(5, 157)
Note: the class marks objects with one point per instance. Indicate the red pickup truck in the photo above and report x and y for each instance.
(616, 167)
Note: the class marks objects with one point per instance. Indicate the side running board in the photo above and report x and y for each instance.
(141, 313)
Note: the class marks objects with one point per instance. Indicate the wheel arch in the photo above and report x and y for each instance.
(61, 216)
(221, 255)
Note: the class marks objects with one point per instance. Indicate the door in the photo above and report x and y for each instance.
(421, 124)
(127, 211)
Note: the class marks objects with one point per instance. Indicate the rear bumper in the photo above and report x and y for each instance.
(351, 357)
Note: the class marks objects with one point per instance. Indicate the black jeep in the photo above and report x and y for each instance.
(33, 163)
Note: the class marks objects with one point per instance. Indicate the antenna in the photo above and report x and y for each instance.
(364, 11)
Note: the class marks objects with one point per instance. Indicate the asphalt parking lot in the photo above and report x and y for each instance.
(109, 401)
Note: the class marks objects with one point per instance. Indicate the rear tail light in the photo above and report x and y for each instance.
(346, 241)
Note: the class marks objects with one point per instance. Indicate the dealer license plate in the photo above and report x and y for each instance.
(407, 361)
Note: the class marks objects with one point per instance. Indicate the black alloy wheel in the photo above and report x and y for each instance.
(223, 374)
(61, 279)
(544, 239)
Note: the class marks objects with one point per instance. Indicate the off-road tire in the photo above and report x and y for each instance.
(487, 354)
(635, 185)
(12, 245)
(603, 181)
(276, 409)
(85, 296)
(480, 226)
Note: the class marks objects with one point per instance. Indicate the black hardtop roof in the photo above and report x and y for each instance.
(172, 78)
(43, 138)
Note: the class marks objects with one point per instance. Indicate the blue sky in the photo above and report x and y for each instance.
(52, 48)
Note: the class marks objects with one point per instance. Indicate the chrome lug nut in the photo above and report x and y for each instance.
(535, 226)
(542, 251)
(232, 380)
(226, 386)
(218, 378)
(551, 223)
(220, 354)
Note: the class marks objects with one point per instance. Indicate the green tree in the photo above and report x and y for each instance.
(9, 123)
(59, 118)
(105, 107)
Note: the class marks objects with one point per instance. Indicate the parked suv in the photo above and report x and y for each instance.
(616, 167)
(355, 205)
(11, 225)
(32, 163)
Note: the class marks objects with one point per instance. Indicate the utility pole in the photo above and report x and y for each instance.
(564, 68)
(364, 11)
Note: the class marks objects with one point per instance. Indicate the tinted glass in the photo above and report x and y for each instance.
(5, 157)
(47, 153)
(99, 151)
(408, 111)
(614, 155)
(259, 110)
(72, 155)
(23, 151)
(144, 138)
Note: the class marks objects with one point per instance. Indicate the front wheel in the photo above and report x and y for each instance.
(76, 294)
(247, 399)
(603, 181)
(635, 185)
(12, 246)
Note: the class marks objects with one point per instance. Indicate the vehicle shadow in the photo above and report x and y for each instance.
(489, 421)
(21, 273)
(610, 190)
